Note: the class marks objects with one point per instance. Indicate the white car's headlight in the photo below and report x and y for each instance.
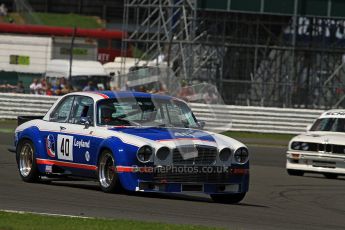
(144, 154)
(296, 145)
(241, 155)
(304, 146)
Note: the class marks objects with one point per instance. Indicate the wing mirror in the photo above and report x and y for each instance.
(201, 124)
(85, 121)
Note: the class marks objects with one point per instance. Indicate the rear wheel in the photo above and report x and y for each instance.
(26, 161)
(107, 176)
(293, 172)
(331, 175)
(228, 198)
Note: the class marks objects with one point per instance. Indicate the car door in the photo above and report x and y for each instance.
(81, 129)
(68, 137)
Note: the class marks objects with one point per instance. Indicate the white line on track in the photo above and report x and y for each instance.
(46, 214)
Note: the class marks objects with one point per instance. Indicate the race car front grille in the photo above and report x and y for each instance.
(205, 155)
(327, 148)
(340, 149)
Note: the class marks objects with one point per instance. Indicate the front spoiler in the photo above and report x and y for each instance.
(207, 188)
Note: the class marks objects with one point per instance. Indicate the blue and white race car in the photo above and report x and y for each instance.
(132, 141)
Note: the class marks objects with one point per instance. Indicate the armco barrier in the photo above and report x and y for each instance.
(217, 117)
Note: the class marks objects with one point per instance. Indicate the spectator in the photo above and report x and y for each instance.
(62, 83)
(35, 87)
(89, 87)
(3, 10)
(67, 89)
(49, 90)
(56, 86)
(43, 86)
(20, 87)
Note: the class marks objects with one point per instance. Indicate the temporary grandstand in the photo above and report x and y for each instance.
(287, 53)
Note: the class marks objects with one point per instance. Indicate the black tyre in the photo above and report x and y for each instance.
(293, 172)
(331, 175)
(107, 176)
(228, 198)
(26, 161)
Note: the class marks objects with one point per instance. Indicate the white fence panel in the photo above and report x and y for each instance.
(217, 117)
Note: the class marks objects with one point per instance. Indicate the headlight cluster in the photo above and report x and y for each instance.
(144, 154)
(241, 155)
(225, 154)
(300, 146)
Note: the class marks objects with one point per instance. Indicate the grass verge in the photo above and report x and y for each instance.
(13, 221)
(68, 20)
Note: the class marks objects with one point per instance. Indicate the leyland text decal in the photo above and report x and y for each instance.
(65, 147)
(82, 143)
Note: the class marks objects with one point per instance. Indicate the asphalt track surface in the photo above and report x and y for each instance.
(275, 200)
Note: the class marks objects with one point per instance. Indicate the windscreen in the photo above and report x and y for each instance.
(145, 112)
(329, 124)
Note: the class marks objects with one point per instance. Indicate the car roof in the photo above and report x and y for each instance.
(99, 95)
(334, 113)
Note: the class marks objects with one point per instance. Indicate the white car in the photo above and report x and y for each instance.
(321, 149)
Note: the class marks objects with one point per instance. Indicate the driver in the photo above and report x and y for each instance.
(107, 115)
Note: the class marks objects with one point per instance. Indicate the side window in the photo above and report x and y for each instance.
(62, 111)
(82, 108)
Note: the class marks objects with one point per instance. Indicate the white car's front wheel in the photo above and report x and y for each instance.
(293, 172)
(331, 175)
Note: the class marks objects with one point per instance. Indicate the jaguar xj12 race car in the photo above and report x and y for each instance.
(132, 141)
(321, 149)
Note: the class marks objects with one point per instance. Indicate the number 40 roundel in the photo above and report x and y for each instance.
(65, 147)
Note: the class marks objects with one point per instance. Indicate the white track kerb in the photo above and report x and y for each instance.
(218, 118)
(46, 214)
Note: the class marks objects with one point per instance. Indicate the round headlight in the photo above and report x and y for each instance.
(144, 154)
(225, 154)
(241, 155)
(296, 145)
(304, 146)
(163, 153)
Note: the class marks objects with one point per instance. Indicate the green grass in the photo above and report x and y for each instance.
(69, 20)
(273, 136)
(8, 126)
(12, 221)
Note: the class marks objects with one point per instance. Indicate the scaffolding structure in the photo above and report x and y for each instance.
(254, 59)
(170, 30)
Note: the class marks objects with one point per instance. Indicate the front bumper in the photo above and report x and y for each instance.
(234, 180)
(316, 162)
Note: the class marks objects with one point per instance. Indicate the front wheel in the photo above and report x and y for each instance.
(107, 176)
(331, 175)
(293, 172)
(26, 161)
(228, 198)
